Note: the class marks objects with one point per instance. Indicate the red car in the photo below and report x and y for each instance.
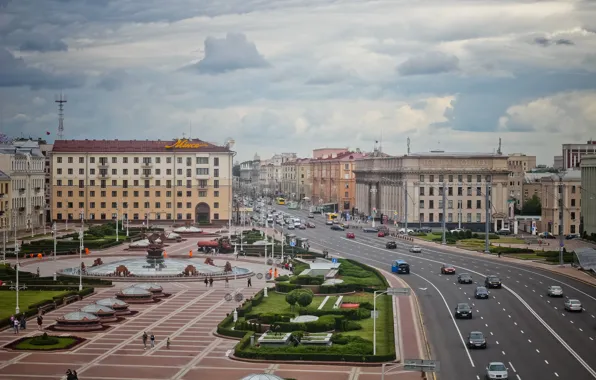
(447, 269)
(381, 234)
(350, 235)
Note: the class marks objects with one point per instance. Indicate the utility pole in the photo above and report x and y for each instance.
(16, 253)
(444, 214)
(459, 205)
(54, 233)
(487, 226)
(561, 220)
(406, 204)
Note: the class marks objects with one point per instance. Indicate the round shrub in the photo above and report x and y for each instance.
(44, 340)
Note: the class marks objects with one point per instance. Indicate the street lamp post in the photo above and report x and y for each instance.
(127, 225)
(30, 221)
(81, 235)
(376, 293)
(16, 253)
(54, 233)
(373, 191)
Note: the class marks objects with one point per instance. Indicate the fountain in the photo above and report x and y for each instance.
(155, 289)
(78, 321)
(155, 251)
(105, 313)
(135, 295)
(120, 307)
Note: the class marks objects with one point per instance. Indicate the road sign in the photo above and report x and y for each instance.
(421, 365)
(293, 243)
(399, 291)
(334, 260)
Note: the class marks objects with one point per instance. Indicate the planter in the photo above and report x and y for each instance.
(268, 339)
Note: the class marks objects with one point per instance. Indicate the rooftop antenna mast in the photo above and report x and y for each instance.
(499, 150)
(408, 145)
(381, 142)
(61, 100)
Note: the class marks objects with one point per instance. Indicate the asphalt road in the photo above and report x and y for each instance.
(528, 331)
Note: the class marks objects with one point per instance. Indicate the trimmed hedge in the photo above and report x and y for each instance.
(510, 250)
(351, 314)
(286, 287)
(225, 328)
(307, 280)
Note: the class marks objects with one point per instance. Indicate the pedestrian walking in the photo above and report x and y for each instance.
(152, 338)
(227, 282)
(145, 340)
(23, 322)
(249, 283)
(168, 343)
(206, 282)
(39, 322)
(211, 282)
(37, 271)
(15, 325)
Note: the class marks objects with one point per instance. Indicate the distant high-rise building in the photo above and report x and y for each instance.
(573, 153)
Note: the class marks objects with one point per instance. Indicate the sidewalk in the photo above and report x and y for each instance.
(566, 271)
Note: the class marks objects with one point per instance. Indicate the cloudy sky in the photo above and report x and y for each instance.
(293, 75)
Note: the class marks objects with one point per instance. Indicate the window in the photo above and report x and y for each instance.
(216, 184)
(431, 204)
(81, 184)
(202, 183)
(202, 171)
(179, 216)
(169, 161)
(441, 178)
(146, 205)
(431, 178)
(114, 171)
(179, 160)
(450, 191)
(189, 172)
(135, 205)
(478, 191)
(102, 204)
(450, 204)
(469, 217)
(157, 183)
(460, 191)
(179, 171)
(70, 160)
(125, 171)
(179, 193)
(81, 171)
(488, 178)
(216, 161)
(441, 191)
(92, 171)
(188, 161)
(58, 182)
(188, 205)
(168, 204)
(70, 171)
(216, 194)
(136, 171)
(157, 171)
(469, 204)
(157, 204)
(168, 194)
(572, 215)
(188, 216)
(440, 217)
(421, 217)
(103, 194)
(216, 216)
(572, 189)
(431, 191)
(202, 160)
(146, 192)
(450, 217)
(216, 172)
(431, 217)
(91, 204)
(202, 193)
(450, 178)
(92, 193)
(422, 178)
(469, 191)
(70, 182)
(470, 181)
(421, 191)
(58, 204)
(421, 205)
(216, 205)
(114, 205)
(179, 204)
(478, 178)
(573, 203)
(168, 171)
(114, 193)
(440, 203)
(59, 161)
(478, 217)
(125, 160)
(135, 194)
(479, 204)
(136, 160)
(135, 182)
(572, 228)
(125, 194)
(114, 160)
(158, 160)
(189, 193)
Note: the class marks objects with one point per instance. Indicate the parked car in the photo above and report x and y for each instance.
(345, 225)
(463, 310)
(573, 305)
(311, 215)
(415, 249)
(403, 231)
(546, 235)
(497, 370)
(370, 229)
(464, 278)
(476, 339)
(554, 291)
(329, 222)
(391, 245)
(381, 234)
(504, 231)
(291, 227)
(337, 227)
(426, 230)
(572, 236)
(447, 269)
(481, 293)
(457, 230)
(302, 227)
(310, 225)
(493, 281)
(350, 235)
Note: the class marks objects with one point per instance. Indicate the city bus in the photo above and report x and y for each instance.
(280, 201)
(331, 215)
(400, 266)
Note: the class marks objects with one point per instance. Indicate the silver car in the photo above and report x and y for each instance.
(573, 305)
(496, 370)
(416, 249)
(554, 291)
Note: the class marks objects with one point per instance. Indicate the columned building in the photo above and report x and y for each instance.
(571, 198)
(588, 194)
(24, 163)
(415, 184)
(519, 164)
(573, 154)
(187, 181)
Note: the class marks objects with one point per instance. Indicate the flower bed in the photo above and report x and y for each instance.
(45, 342)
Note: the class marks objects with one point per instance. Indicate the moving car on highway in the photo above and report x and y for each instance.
(573, 305)
(496, 370)
(329, 222)
(492, 281)
(337, 227)
(415, 249)
(476, 339)
(481, 293)
(463, 310)
(554, 291)
(464, 278)
(310, 225)
(302, 227)
(311, 215)
(391, 245)
(350, 235)
(381, 234)
(400, 266)
(370, 229)
(447, 269)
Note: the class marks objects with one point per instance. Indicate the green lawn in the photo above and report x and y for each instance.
(385, 334)
(330, 302)
(472, 242)
(26, 298)
(61, 343)
(276, 303)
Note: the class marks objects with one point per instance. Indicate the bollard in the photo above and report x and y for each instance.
(54, 276)
(265, 292)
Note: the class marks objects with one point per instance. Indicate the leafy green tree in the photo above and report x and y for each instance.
(532, 206)
(305, 297)
(292, 298)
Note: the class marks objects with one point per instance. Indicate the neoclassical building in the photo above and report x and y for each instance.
(418, 181)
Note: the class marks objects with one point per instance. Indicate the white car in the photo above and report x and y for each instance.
(415, 249)
(403, 231)
(573, 305)
(329, 222)
(497, 370)
(554, 291)
(457, 230)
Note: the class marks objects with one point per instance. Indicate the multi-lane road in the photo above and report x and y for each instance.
(528, 331)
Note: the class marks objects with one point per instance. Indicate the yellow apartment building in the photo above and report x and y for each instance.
(5, 185)
(182, 180)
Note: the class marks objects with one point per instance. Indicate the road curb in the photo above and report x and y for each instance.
(424, 335)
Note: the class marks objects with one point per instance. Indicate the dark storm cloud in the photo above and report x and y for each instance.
(43, 45)
(16, 73)
(234, 52)
(543, 41)
(429, 63)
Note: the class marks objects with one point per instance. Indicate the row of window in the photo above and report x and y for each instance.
(431, 204)
(135, 193)
(201, 184)
(430, 218)
(158, 216)
(460, 191)
(451, 177)
(144, 172)
(145, 160)
(125, 205)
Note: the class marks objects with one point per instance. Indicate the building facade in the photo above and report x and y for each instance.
(533, 185)
(417, 182)
(288, 181)
(24, 163)
(570, 182)
(573, 153)
(304, 179)
(588, 192)
(185, 180)
(5, 201)
(518, 164)
(333, 179)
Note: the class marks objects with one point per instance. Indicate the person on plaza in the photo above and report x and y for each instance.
(168, 343)
(15, 325)
(152, 339)
(210, 281)
(227, 282)
(206, 282)
(69, 375)
(39, 321)
(23, 322)
(145, 340)
(249, 283)
(37, 271)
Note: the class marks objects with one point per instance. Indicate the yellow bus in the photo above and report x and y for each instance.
(280, 201)
(331, 215)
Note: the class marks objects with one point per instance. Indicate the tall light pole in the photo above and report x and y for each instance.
(126, 224)
(81, 244)
(406, 204)
(487, 217)
(30, 221)
(444, 214)
(561, 220)
(54, 232)
(459, 204)
(373, 191)
(231, 212)
(16, 253)
(116, 219)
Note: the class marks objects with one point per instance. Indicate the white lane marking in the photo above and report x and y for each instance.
(591, 338)
(537, 350)
(556, 374)
(512, 367)
(529, 341)
(518, 378)
(452, 318)
(546, 361)
(522, 331)
(496, 341)
(509, 315)
(486, 324)
(491, 333)
(528, 307)
(515, 323)
(503, 352)
(580, 329)
(477, 377)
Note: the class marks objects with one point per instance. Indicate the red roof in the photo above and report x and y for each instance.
(132, 146)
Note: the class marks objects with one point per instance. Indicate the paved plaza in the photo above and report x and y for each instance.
(189, 317)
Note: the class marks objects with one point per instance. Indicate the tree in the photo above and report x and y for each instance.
(532, 206)
(236, 170)
(292, 298)
(305, 297)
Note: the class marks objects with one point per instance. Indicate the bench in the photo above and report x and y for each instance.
(47, 307)
(71, 299)
(21, 287)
